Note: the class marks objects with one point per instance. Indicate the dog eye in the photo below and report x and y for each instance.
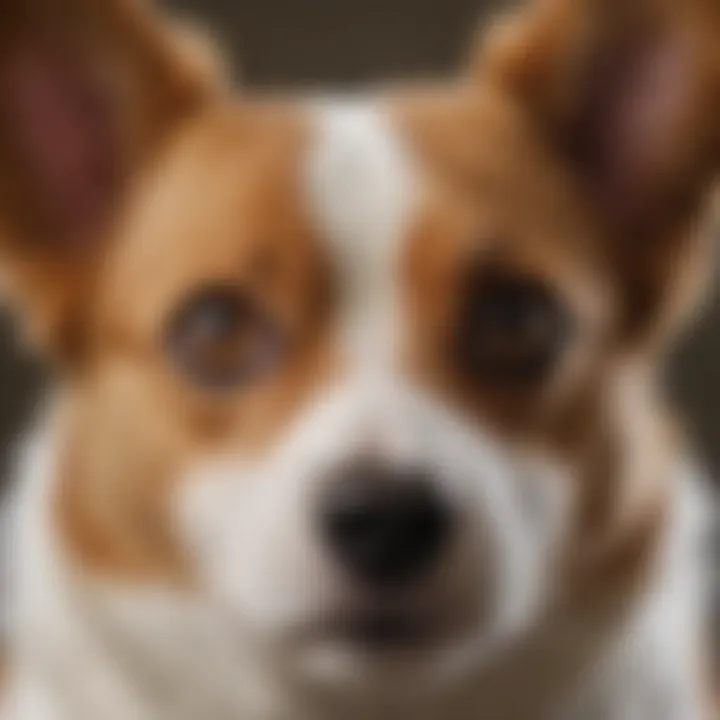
(512, 330)
(221, 339)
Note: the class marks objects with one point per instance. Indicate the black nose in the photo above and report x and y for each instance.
(386, 527)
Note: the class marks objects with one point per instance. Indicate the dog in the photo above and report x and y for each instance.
(357, 411)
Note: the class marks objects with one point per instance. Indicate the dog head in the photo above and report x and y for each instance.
(361, 376)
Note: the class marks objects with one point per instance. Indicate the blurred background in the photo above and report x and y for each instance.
(332, 43)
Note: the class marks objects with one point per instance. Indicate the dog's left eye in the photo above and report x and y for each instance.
(222, 339)
(511, 330)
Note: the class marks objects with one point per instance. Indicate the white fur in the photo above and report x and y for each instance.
(361, 190)
(655, 668)
(87, 650)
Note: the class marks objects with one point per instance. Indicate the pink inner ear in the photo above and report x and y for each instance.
(637, 105)
(61, 132)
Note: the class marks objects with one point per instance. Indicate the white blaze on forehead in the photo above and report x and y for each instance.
(361, 191)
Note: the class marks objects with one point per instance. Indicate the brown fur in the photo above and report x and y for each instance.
(235, 229)
(479, 179)
(153, 76)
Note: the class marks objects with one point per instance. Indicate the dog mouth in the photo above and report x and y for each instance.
(385, 631)
(379, 631)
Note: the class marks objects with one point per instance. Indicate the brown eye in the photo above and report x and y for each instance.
(512, 330)
(221, 339)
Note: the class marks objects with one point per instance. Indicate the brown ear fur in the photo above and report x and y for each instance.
(627, 96)
(89, 90)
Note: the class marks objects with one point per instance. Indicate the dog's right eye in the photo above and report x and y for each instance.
(512, 329)
(222, 339)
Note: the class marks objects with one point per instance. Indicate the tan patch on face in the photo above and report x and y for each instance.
(497, 201)
(224, 208)
(495, 205)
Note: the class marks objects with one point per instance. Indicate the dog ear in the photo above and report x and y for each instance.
(627, 94)
(89, 91)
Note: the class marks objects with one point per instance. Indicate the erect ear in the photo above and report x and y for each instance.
(628, 95)
(89, 92)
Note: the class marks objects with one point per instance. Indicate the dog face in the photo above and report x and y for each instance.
(361, 376)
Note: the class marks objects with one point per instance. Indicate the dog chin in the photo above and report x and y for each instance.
(383, 655)
(388, 671)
